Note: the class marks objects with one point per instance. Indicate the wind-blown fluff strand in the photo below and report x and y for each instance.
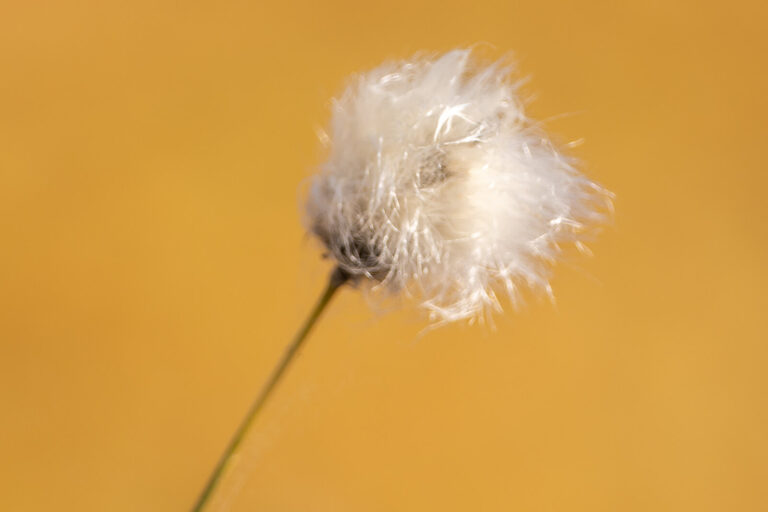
(438, 185)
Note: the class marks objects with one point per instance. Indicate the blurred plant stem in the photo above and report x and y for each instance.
(337, 278)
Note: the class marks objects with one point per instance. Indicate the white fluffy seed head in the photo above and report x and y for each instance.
(437, 185)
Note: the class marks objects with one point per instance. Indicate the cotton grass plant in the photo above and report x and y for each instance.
(438, 186)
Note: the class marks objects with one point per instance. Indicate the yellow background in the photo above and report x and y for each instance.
(153, 267)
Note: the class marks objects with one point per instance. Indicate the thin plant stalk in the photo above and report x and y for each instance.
(338, 278)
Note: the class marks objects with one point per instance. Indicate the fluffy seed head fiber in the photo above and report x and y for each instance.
(437, 185)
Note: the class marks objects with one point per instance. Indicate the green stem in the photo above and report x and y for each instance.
(338, 278)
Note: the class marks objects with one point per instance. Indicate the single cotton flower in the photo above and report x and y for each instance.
(437, 185)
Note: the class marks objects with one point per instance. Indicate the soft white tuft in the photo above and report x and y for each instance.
(438, 185)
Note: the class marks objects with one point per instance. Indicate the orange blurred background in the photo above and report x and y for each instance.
(153, 267)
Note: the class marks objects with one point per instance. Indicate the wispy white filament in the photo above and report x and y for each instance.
(437, 185)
